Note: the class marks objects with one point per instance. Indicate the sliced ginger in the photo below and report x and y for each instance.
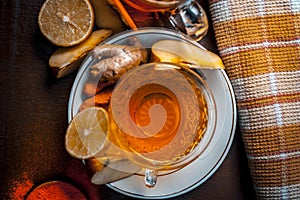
(67, 59)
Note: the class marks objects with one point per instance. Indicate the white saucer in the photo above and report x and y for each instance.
(200, 170)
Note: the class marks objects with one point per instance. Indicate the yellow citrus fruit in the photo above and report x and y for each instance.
(87, 133)
(66, 22)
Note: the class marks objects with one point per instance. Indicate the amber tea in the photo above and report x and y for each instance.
(158, 114)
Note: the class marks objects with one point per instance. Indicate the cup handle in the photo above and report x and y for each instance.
(191, 19)
(150, 177)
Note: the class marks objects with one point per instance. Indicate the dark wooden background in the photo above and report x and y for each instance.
(33, 113)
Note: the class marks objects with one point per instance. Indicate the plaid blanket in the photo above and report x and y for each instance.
(259, 42)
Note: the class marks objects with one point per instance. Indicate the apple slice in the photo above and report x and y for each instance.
(184, 53)
(111, 165)
(110, 169)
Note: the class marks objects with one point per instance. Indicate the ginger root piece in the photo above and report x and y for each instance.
(67, 59)
(101, 99)
(92, 88)
(122, 58)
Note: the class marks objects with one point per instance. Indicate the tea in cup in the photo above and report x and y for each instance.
(162, 116)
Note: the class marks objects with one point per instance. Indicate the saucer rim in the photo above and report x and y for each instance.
(230, 133)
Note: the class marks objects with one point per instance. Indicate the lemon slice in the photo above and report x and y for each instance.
(66, 23)
(86, 134)
(184, 53)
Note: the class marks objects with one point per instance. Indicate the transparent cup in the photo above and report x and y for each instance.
(162, 116)
(147, 37)
(186, 15)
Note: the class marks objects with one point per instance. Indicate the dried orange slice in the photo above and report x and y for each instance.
(86, 134)
(66, 22)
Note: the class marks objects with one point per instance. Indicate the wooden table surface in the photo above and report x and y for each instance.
(34, 116)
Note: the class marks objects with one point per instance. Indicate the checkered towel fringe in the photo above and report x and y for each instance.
(259, 42)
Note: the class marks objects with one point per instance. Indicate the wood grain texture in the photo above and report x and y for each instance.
(33, 116)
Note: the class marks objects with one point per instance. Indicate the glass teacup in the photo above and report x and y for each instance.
(186, 15)
(162, 116)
